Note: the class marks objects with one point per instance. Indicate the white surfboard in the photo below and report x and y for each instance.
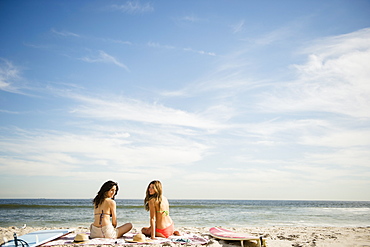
(225, 234)
(37, 238)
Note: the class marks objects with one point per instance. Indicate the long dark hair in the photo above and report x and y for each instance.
(99, 198)
(157, 186)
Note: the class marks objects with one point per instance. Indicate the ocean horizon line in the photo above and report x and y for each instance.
(177, 199)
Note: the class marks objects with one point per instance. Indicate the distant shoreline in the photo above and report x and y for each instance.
(174, 199)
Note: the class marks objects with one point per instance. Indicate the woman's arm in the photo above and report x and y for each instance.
(113, 212)
(152, 218)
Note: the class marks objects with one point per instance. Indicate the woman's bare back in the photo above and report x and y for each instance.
(103, 213)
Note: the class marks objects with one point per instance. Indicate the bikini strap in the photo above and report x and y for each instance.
(166, 212)
(101, 217)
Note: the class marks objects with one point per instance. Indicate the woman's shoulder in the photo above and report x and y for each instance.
(153, 201)
(164, 199)
(110, 201)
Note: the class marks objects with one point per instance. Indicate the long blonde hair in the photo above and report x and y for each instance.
(157, 186)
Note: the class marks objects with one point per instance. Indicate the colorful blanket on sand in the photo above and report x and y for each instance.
(68, 239)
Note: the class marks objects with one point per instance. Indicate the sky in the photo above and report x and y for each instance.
(237, 99)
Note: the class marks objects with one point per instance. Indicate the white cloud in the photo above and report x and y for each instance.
(157, 45)
(335, 79)
(277, 126)
(133, 7)
(9, 76)
(135, 110)
(9, 112)
(64, 33)
(53, 153)
(274, 36)
(117, 41)
(105, 58)
(190, 18)
(200, 52)
(224, 82)
(23, 167)
(340, 45)
(338, 138)
(346, 157)
(237, 28)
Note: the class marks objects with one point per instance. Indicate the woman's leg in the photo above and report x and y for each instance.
(123, 229)
(146, 231)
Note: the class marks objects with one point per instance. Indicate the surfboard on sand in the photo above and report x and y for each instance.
(225, 234)
(37, 238)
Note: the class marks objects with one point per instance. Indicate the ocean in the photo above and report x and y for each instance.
(190, 213)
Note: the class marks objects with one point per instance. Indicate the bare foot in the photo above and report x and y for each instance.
(176, 233)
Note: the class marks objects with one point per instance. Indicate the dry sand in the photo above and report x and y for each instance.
(275, 236)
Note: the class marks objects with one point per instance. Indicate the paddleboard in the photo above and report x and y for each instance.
(37, 238)
(225, 234)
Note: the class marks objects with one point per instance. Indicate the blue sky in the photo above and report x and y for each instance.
(217, 99)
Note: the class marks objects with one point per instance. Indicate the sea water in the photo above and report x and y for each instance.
(193, 213)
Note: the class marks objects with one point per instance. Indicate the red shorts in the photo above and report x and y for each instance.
(166, 232)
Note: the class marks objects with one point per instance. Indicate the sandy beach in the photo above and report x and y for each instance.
(275, 236)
